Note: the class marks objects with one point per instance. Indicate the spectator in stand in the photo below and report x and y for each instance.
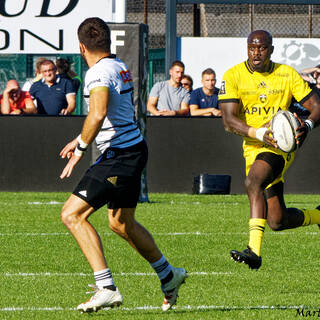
(204, 100)
(187, 83)
(54, 95)
(15, 101)
(63, 69)
(169, 98)
(38, 76)
(312, 76)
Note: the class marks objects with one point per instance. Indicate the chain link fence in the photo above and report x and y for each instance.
(218, 20)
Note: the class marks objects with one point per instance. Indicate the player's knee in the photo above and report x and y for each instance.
(252, 185)
(276, 225)
(68, 218)
(121, 222)
(115, 226)
(119, 228)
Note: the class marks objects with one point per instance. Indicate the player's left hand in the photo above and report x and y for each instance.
(302, 132)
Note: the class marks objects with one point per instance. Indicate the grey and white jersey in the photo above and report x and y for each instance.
(119, 128)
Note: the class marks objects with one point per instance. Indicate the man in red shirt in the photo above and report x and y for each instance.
(15, 101)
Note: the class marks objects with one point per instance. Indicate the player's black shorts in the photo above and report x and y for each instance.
(115, 178)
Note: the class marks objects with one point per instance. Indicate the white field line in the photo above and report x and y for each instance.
(121, 274)
(196, 233)
(171, 202)
(35, 234)
(32, 203)
(187, 307)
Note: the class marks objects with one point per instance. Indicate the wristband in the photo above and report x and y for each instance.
(260, 133)
(78, 152)
(309, 124)
(82, 145)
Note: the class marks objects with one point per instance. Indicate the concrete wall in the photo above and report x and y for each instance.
(181, 148)
(29, 156)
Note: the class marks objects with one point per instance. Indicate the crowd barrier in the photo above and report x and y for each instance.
(30, 146)
(182, 148)
(179, 150)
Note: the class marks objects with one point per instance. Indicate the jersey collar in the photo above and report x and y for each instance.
(111, 56)
(270, 67)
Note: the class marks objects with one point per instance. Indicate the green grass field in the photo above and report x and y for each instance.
(44, 275)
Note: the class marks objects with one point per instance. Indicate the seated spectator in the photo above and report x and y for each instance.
(312, 76)
(54, 95)
(169, 98)
(63, 69)
(204, 100)
(38, 76)
(15, 101)
(187, 82)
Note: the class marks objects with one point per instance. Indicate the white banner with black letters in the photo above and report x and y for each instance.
(47, 26)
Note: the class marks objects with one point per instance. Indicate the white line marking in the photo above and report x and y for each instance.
(121, 274)
(188, 307)
(34, 234)
(203, 203)
(196, 233)
(28, 234)
(45, 203)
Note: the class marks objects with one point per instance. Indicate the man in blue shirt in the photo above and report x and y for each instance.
(204, 100)
(54, 95)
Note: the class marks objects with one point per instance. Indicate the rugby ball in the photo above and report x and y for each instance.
(284, 125)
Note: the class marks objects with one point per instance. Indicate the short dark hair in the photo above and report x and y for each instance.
(208, 71)
(262, 33)
(177, 63)
(94, 33)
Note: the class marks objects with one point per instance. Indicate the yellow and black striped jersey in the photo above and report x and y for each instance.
(261, 95)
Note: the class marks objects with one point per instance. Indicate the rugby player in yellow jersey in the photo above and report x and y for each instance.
(251, 93)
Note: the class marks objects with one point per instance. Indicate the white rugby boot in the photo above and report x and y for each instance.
(171, 288)
(102, 298)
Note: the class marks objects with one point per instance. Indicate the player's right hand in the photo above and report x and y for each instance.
(269, 139)
(68, 152)
(66, 173)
